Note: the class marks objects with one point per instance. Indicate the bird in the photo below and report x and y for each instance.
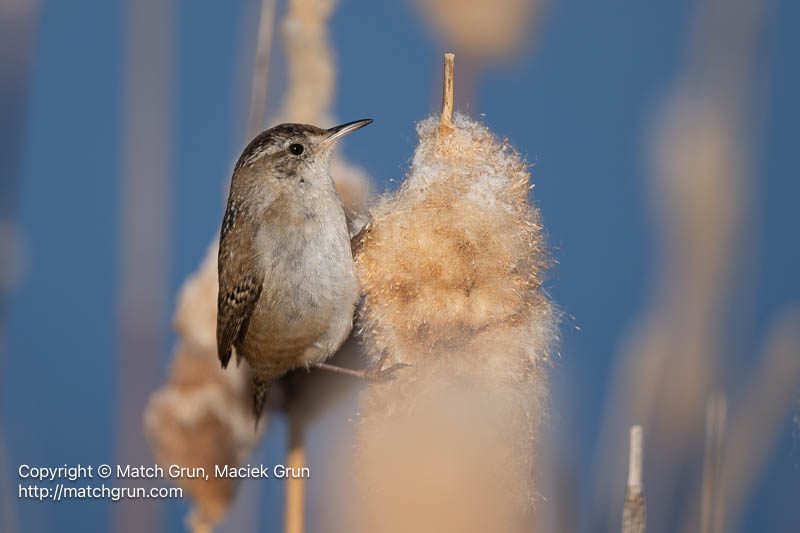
(288, 288)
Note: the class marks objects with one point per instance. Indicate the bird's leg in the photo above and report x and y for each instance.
(340, 370)
(260, 389)
(376, 374)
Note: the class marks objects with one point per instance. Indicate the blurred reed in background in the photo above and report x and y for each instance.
(674, 361)
(144, 240)
(18, 24)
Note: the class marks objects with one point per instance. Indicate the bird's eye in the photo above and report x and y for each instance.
(296, 149)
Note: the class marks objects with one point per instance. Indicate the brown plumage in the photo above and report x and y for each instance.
(287, 282)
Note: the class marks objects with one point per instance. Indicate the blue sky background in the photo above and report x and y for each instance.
(578, 99)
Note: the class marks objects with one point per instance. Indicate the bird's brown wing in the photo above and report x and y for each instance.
(235, 307)
(240, 283)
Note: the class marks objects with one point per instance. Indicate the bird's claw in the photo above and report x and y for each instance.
(378, 374)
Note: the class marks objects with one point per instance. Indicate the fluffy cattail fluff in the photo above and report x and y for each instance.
(451, 268)
(456, 258)
(201, 417)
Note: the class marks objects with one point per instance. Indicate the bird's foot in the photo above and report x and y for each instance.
(378, 374)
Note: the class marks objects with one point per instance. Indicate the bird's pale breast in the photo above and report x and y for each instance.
(310, 288)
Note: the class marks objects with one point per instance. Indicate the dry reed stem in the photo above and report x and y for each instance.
(635, 460)
(479, 31)
(446, 120)
(712, 496)
(633, 514)
(18, 25)
(143, 241)
(295, 506)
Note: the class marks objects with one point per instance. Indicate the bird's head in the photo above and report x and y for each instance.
(297, 152)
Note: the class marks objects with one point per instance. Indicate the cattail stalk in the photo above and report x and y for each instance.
(633, 514)
(295, 485)
(482, 31)
(712, 495)
(18, 36)
(144, 233)
(446, 120)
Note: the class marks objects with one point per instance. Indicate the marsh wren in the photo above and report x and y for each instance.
(287, 282)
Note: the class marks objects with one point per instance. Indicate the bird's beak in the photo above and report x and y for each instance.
(336, 133)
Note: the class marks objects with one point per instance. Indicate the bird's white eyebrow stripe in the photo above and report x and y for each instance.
(255, 156)
(258, 146)
(255, 149)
